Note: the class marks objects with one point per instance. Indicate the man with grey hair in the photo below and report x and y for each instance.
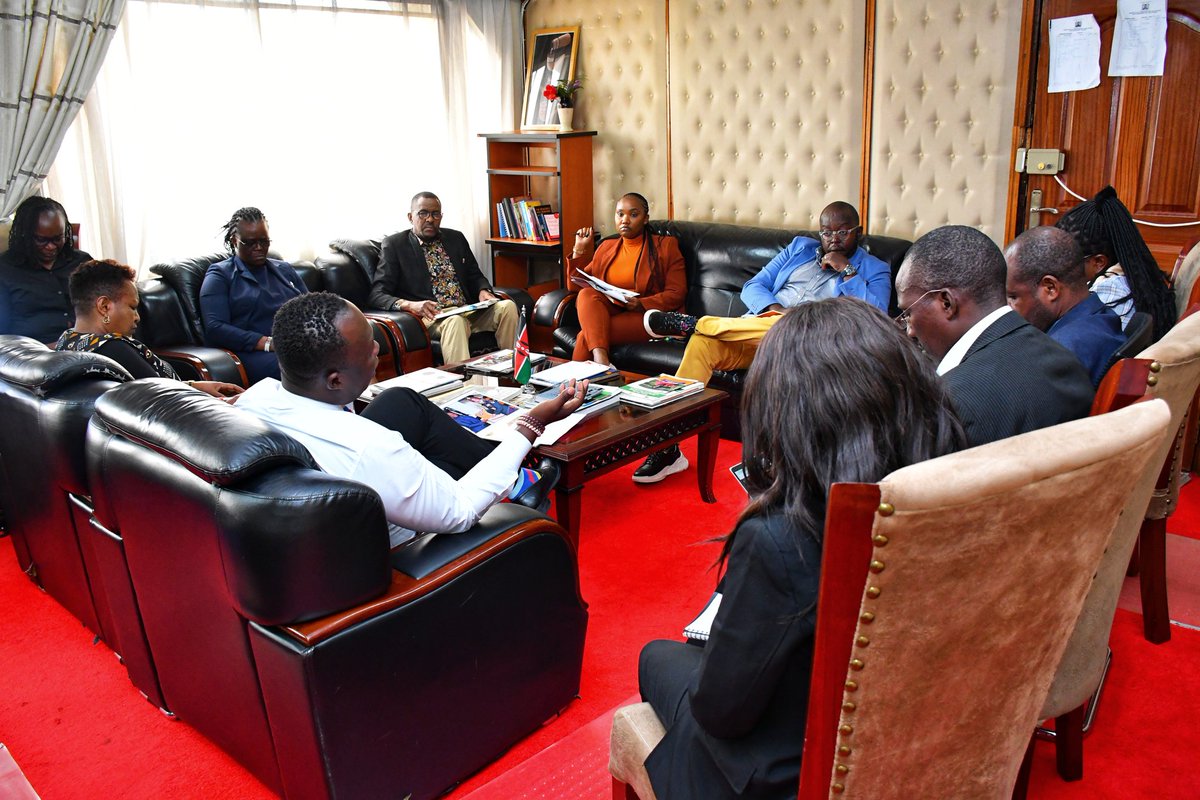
(1004, 376)
(1047, 286)
(429, 269)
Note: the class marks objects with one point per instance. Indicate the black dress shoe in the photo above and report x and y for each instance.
(537, 496)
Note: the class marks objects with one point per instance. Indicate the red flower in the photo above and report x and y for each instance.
(550, 92)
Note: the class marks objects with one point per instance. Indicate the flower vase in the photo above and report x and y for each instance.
(565, 116)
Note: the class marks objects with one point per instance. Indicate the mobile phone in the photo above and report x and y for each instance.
(738, 471)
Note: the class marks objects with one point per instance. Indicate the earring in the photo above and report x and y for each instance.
(106, 319)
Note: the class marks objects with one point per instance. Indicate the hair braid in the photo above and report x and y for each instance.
(1104, 225)
(246, 214)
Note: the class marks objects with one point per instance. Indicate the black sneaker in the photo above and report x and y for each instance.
(663, 324)
(537, 495)
(661, 464)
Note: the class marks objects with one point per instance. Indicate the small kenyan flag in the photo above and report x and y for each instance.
(521, 364)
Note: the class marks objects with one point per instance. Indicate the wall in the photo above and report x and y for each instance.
(751, 111)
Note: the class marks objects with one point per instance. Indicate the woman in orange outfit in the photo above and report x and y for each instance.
(638, 260)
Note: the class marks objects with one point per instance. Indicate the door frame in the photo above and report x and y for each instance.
(1027, 68)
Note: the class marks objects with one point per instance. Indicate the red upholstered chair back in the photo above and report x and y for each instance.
(947, 598)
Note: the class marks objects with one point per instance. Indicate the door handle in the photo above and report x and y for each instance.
(1043, 210)
(1036, 208)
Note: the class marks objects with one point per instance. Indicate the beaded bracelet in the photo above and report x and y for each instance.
(532, 423)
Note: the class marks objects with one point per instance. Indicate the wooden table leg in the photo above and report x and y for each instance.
(706, 456)
(1156, 616)
(568, 503)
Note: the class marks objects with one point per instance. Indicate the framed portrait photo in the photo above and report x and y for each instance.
(551, 58)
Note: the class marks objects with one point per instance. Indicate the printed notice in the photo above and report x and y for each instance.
(1074, 53)
(1139, 39)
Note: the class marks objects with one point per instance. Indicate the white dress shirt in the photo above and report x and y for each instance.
(958, 350)
(417, 496)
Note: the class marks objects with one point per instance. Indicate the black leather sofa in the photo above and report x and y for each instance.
(282, 627)
(349, 270)
(720, 258)
(172, 325)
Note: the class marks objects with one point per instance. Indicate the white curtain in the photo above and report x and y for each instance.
(328, 116)
(50, 52)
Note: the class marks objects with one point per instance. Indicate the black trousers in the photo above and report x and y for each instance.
(442, 441)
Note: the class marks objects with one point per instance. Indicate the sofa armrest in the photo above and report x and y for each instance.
(555, 308)
(436, 559)
(521, 297)
(195, 362)
(409, 337)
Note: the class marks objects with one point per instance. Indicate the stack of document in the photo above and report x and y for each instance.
(655, 392)
(579, 370)
(428, 381)
(622, 296)
(499, 362)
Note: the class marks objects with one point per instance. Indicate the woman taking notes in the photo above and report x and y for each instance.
(835, 393)
(639, 261)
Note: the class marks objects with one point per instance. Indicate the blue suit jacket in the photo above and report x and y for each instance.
(1092, 331)
(872, 283)
(238, 304)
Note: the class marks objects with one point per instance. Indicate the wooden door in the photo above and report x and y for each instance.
(1142, 135)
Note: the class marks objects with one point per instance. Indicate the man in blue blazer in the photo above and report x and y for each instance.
(806, 270)
(1047, 285)
(1004, 376)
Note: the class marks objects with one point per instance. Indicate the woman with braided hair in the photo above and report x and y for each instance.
(1119, 266)
(35, 269)
(637, 260)
(240, 295)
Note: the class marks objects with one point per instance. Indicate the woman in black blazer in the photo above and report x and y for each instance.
(836, 393)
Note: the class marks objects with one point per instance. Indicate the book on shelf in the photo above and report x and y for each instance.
(579, 370)
(469, 307)
(499, 362)
(526, 218)
(553, 228)
(655, 392)
(698, 629)
(428, 381)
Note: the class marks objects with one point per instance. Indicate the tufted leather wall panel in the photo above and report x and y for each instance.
(765, 107)
(623, 62)
(945, 81)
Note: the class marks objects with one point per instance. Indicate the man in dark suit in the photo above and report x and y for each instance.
(1004, 376)
(1047, 285)
(429, 269)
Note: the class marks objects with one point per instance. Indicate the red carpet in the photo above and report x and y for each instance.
(79, 729)
(1186, 519)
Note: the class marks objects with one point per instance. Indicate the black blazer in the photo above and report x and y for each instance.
(402, 274)
(740, 730)
(1015, 379)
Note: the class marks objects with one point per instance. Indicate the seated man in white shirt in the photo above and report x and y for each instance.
(432, 474)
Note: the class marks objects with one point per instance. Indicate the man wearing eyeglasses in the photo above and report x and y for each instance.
(1003, 375)
(34, 300)
(429, 269)
(805, 271)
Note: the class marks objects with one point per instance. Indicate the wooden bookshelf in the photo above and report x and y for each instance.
(550, 166)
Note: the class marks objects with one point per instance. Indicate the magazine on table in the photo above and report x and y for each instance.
(597, 399)
(499, 362)
(622, 296)
(469, 307)
(428, 381)
(579, 370)
(477, 407)
(655, 392)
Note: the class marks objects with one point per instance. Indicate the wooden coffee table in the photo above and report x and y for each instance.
(625, 433)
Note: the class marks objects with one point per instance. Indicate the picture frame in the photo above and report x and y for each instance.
(551, 58)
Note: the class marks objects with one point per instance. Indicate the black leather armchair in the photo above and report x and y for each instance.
(351, 268)
(46, 399)
(284, 629)
(720, 258)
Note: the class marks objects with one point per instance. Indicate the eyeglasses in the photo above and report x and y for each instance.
(903, 317)
(46, 241)
(250, 244)
(842, 234)
(423, 214)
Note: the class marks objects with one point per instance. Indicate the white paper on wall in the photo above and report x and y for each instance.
(1074, 53)
(1139, 38)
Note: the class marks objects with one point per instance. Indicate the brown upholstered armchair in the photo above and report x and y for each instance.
(946, 601)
